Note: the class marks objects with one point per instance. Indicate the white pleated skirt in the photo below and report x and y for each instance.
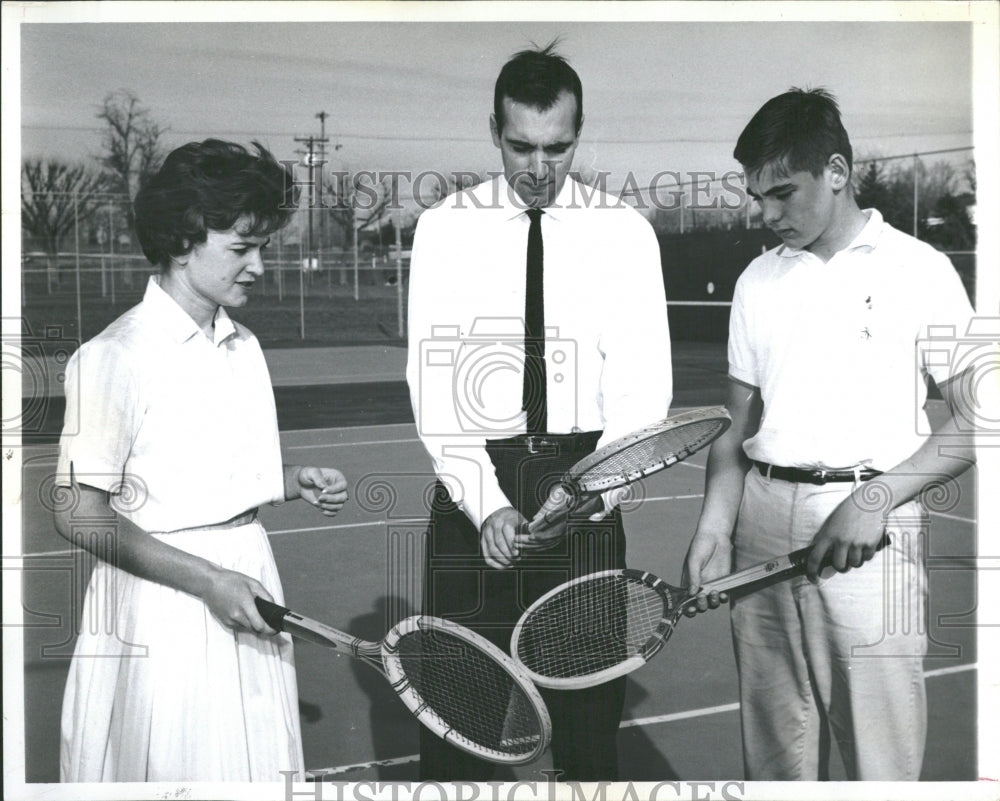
(160, 690)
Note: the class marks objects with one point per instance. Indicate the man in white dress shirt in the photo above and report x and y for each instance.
(537, 332)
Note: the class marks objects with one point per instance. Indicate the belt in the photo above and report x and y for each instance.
(244, 519)
(584, 441)
(802, 476)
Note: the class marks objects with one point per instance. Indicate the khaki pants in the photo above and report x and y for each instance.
(843, 656)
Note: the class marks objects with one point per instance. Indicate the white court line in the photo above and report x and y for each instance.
(351, 444)
(269, 533)
(674, 716)
(294, 381)
(338, 527)
(341, 526)
(932, 674)
(690, 713)
(373, 523)
(955, 517)
(665, 498)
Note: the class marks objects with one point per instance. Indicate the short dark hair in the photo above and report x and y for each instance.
(800, 129)
(536, 78)
(210, 185)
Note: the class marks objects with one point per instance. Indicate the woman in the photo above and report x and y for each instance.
(170, 445)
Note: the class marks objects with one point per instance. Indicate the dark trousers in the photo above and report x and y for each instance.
(460, 586)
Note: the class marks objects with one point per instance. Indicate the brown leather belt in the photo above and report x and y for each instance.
(802, 476)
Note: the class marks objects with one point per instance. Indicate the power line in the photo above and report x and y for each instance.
(447, 138)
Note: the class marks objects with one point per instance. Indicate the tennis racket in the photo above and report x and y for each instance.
(625, 461)
(458, 684)
(604, 625)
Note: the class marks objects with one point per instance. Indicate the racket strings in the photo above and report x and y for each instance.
(471, 692)
(591, 626)
(670, 445)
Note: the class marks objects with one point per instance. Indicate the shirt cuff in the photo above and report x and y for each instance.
(492, 500)
(744, 377)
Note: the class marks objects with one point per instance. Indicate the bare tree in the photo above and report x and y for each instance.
(55, 197)
(132, 146)
(351, 199)
(354, 200)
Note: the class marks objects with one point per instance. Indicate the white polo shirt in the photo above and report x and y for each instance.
(180, 428)
(838, 349)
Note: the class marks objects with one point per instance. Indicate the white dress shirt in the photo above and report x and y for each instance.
(607, 341)
(180, 429)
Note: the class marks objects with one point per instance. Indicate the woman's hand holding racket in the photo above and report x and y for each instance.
(231, 597)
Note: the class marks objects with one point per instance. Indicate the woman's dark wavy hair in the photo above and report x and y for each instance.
(210, 185)
(799, 130)
(536, 78)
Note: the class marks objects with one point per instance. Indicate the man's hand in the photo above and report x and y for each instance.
(499, 537)
(850, 536)
(323, 487)
(708, 557)
(549, 523)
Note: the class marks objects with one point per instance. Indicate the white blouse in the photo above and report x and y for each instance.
(180, 429)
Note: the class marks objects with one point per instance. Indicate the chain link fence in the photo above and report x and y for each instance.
(86, 271)
(82, 279)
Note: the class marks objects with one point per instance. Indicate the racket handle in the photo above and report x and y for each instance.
(794, 562)
(273, 614)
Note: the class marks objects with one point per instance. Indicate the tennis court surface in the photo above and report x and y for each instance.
(360, 572)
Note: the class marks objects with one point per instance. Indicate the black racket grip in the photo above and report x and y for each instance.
(801, 556)
(273, 614)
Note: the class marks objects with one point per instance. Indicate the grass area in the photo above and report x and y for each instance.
(328, 312)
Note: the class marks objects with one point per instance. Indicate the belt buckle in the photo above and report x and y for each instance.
(818, 477)
(536, 442)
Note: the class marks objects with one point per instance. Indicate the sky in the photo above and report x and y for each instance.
(408, 86)
(405, 95)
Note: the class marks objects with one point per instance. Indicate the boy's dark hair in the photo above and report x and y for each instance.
(210, 185)
(536, 78)
(799, 129)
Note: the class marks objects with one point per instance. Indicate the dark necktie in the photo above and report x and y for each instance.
(533, 397)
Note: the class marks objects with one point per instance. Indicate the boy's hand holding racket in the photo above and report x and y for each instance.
(709, 557)
(848, 538)
(607, 624)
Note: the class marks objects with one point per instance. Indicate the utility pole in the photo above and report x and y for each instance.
(322, 206)
(311, 142)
